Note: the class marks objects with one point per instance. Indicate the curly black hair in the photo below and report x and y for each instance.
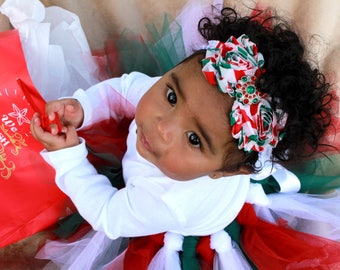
(295, 87)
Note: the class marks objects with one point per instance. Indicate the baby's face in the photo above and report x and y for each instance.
(183, 124)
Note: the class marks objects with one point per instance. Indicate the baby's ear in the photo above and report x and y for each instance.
(219, 174)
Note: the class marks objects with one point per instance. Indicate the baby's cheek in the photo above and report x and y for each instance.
(178, 169)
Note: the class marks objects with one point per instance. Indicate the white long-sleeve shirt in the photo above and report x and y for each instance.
(151, 202)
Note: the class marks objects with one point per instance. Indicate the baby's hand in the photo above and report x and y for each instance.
(52, 142)
(69, 110)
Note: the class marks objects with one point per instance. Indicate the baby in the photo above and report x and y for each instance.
(200, 132)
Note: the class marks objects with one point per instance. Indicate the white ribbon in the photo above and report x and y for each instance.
(228, 254)
(287, 180)
(167, 257)
(256, 195)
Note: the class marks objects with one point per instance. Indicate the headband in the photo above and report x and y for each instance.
(234, 67)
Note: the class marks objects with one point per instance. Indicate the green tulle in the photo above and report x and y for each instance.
(166, 44)
(317, 176)
(130, 53)
(67, 226)
(153, 55)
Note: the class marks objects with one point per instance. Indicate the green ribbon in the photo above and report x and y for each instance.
(189, 260)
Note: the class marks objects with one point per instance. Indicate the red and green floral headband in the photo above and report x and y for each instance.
(234, 67)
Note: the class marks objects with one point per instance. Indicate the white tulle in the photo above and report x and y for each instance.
(228, 254)
(188, 19)
(56, 50)
(167, 258)
(315, 214)
(93, 251)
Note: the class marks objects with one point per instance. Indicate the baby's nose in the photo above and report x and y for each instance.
(166, 129)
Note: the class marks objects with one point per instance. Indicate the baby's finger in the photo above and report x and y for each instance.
(70, 107)
(35, 126)
(38, 132)
(53, 107)
(72, 138)
(54, 129)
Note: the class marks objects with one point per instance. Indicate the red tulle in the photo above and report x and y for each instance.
(262, 15)
(270, 246)
(141, 250)
(106, 140)
(332, 136)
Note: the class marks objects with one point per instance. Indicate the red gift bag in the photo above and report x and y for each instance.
(30, 201)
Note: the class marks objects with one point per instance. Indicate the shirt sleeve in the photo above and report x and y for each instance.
(115, 98)
(127, 212)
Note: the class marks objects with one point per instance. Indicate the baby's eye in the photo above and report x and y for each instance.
(194, 140)
(171, 96)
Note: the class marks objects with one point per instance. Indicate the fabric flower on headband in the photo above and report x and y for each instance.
(234, 67)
